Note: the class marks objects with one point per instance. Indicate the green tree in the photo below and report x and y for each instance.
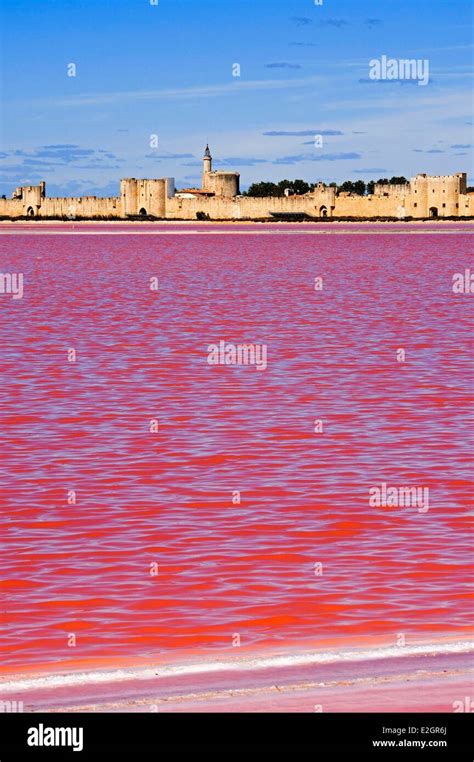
(297, 186)
(346, 187)
(278, 189)
(349, 186)
(359, 187)
(263, 189)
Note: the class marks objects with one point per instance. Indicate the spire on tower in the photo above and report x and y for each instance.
(207, 153)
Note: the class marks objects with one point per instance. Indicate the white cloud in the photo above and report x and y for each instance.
(200, 91)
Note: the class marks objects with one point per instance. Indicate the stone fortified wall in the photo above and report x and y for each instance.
(316, 204)
(423, 196)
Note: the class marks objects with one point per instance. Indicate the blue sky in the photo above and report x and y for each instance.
(167, 70)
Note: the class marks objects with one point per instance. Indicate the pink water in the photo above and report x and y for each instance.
(166, 497)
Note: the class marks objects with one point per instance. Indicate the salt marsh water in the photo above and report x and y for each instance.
(156, 554)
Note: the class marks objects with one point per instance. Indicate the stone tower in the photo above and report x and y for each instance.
(206, 166)
(221, 184)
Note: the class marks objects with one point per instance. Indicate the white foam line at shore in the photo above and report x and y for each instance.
(246, 663)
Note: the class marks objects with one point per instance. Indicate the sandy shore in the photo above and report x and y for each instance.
(420, 678)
